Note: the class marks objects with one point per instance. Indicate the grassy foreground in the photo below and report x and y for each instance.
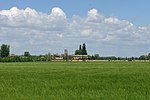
(75, 81)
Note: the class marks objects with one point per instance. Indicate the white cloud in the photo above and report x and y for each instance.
(93, 14)
(13, 12)
(86, 32)
(112, 20)
(28, 28)
(60, 35)
(57, 12)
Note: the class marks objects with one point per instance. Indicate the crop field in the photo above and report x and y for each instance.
(75, 81)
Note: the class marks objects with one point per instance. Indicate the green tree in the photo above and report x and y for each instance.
(27, 54)
(77, 52)
(149, 56)
(48, 56)
(4, 51)
(80, 50)
(143, 57)
(84, 51)
(133, 58)
(97, 57)
(80, 47)
(126, 58)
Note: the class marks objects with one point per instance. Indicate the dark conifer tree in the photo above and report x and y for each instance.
(84, 51)
(4, 51)
(80, 48)
(27, 54)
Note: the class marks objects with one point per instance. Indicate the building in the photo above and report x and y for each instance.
(59, 58)
(12, 55)
(80, 57)
(65, 54)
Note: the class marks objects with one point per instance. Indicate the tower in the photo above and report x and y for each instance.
(66, 54)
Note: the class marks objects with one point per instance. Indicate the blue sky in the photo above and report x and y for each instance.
(113, 27)
(132, 10)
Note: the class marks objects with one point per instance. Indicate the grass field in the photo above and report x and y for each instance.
(75, 81)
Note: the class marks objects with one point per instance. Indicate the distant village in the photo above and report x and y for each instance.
(80, 54)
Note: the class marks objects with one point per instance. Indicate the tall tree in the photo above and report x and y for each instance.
(27, 54)
(149, 56)
(84, 51)
(80, 50)
(48, 56)
(4, 51)
(80, 47)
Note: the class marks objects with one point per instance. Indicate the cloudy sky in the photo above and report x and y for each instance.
(108, 27)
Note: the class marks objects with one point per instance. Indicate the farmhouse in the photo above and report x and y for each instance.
(79, 57)
(59, 58)
(12, 55)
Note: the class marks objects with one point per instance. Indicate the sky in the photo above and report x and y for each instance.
(108, 27)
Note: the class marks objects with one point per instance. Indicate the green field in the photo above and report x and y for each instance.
(75, 81)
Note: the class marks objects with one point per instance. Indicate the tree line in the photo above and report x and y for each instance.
(27, 57)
